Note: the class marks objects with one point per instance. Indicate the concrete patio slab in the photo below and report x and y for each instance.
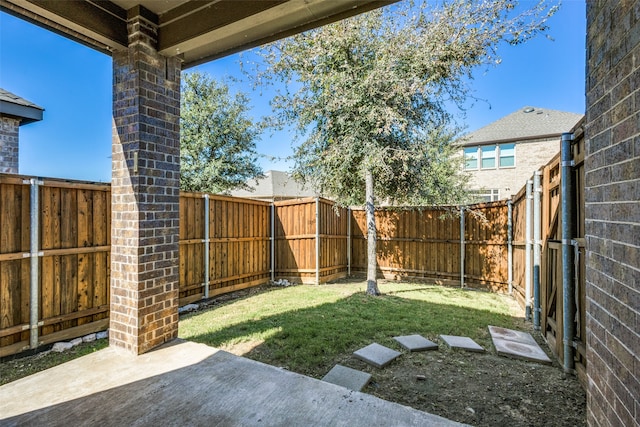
(517, 344)
(377, 355)
(347, 378)
(462, 343)
(184, 383)
(416, 343)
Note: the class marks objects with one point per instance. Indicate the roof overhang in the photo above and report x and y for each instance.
(25, 113)
(196, 30)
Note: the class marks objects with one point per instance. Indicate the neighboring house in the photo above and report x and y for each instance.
(501, 156)
(14, 112)
(276, 185)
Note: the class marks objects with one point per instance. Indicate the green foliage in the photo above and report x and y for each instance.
(217, 139)
(370, 94)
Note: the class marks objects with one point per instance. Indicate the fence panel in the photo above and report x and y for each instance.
(295, 233)
(192, 244)
(551, 285)
(425, 243)
(14, 264)
(333, 241)
(238, 239)
(551, 277)
(296, 236)
(75, 242)
(239, 254)
(486, 246)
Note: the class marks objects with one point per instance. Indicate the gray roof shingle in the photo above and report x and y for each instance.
(275, 184)
(525, 123)
(13, 105)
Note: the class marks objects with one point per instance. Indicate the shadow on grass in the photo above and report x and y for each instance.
(311, 340)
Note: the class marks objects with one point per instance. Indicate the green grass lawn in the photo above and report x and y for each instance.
(309, 328)
(15, 369)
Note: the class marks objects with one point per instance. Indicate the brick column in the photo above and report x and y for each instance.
(9, 129)
(145, 191)
(612, 213)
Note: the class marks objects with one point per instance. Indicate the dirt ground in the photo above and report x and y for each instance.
(475, 388)
(480, 389)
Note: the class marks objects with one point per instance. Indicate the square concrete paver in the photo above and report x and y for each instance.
(416, 343)
(511, 335)
(517, 344)
(347, 377)
(462, 343)
(377, 355)
(521, 351)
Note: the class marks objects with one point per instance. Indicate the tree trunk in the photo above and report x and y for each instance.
(372, 283)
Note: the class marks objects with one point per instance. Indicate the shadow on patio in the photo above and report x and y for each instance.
(184, 383)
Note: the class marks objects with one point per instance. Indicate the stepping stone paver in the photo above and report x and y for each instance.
(511, 335)
(416, 343)
(347, 377)
(462, 343)
(377, 355)
(517, 344)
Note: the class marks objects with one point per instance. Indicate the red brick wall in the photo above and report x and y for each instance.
(613, 212)
(145, 196)
(9, 129)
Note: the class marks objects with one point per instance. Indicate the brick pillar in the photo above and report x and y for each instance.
(9, 129)
(145, 191)
(612, 213)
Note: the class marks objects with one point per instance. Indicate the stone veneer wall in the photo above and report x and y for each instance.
(145, 197)
(9, 130)
(612, 221)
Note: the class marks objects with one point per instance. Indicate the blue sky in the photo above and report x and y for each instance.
(73, 84)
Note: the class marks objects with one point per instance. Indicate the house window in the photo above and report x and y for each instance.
(488, 156)
(471, 158)
(490, 195)
(507, 155)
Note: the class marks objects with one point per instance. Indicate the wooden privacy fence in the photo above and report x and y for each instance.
(426, 242)
(548, 271)
(72, 223)
(225, 244)
(311, 240)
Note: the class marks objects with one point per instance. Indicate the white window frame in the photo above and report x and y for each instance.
(464, 154)
(493, 194)
(498, 155)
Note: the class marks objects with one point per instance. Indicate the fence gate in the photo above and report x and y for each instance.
(551, 287)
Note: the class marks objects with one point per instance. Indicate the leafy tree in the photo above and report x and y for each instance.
(370, 95)
(217, 139)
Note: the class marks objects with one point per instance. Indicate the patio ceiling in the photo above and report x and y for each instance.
(198, 30)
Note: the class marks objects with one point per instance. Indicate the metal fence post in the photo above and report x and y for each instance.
(273, 241)
(537, 246)
(527, 260)
(462, 249)
(510, 245)
(567, 195)
(348, 242)
(206, 245)
(317, 240)
(35, 265)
